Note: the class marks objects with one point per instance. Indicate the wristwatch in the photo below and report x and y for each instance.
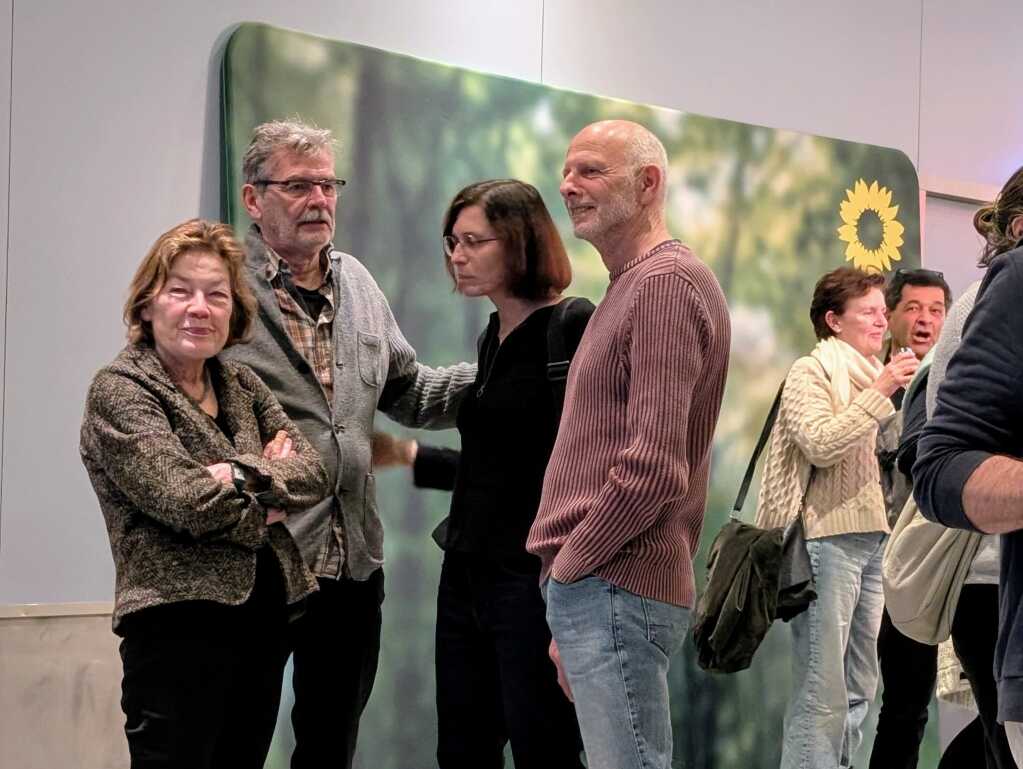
(238, 476)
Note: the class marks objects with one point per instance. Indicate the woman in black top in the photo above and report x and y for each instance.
(495, 682)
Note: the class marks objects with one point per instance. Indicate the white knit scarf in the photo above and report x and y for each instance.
(845, 367)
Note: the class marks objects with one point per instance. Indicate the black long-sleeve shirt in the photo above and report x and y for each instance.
(507, 426)
(978, 415)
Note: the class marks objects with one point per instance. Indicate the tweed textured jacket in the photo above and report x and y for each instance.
(177, 533)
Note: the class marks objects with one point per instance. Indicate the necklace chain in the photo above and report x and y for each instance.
(486, 375)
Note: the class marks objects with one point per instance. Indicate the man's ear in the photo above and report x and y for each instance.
(650, 182)
(251, 201)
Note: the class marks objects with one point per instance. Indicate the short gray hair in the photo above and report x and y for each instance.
(645, 149)
(291, 135)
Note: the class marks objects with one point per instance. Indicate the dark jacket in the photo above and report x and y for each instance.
(977, 416)
(914, 417)
(177, 533)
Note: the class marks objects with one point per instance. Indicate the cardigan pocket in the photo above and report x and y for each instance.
(369, 358)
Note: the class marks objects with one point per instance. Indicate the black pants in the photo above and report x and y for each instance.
(202, 681)
(962, 751)
(495, 682)
(974, 633)
(909, 671)
(336, 645)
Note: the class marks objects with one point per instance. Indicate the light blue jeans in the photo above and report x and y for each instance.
(615, 647)
(834, 666)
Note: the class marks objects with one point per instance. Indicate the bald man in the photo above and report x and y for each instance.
(623, 498)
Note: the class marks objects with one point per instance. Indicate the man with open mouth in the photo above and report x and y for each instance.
(917, 301)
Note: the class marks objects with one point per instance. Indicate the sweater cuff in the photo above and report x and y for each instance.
(947, 505)
(257, 479)
(435, 467)
(875, 404)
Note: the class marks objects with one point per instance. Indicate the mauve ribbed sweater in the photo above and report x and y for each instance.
(624, 493)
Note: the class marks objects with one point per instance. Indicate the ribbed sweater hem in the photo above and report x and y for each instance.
(645, 578)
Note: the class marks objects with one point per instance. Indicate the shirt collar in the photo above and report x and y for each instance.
(274, 262)
(663, 246)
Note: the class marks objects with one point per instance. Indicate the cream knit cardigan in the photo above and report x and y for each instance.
(812, 428)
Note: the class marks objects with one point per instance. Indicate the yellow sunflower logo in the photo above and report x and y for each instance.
(870, 227)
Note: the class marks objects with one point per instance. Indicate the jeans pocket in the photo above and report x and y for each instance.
(666, 625)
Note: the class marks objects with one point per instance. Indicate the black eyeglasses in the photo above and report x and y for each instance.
(469, 242)
(303, 188)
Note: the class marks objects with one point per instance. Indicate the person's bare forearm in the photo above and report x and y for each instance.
(993, 495)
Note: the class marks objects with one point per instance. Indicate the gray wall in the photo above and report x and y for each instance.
(112, 111)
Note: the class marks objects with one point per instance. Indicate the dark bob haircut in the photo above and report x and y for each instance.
(193, 235)
(836, 288)
(535, 258)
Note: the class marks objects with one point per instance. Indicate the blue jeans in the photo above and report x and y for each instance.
(615, 647)
(835, 667)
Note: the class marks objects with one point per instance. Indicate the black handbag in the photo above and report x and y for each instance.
(796, 588)
(753, 576)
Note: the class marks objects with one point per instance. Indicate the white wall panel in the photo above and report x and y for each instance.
(951, 245)
(846, 70)
(115, 139)
(971, 116)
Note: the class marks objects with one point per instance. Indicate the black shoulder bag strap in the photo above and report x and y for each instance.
(558, 357)
(765, 434)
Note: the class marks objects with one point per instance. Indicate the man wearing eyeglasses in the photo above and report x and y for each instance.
(328, 346)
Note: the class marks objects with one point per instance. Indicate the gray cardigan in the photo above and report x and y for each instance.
(369, 354)
(948, 342)
(176, 532)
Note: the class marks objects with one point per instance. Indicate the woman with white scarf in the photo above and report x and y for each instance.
(821, 467)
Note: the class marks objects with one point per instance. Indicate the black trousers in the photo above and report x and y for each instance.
(335, 646)
(495, 682)
(202, 681)
(974, 633)
(962, 751)
(909, 672)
